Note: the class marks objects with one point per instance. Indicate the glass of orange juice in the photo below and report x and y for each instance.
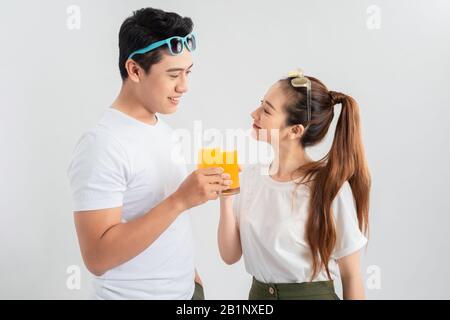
(228, 160)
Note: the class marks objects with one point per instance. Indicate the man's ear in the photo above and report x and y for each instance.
(296, 131)
(134, 70)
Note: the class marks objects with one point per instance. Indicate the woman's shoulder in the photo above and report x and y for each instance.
(344, 200)
(345, 191)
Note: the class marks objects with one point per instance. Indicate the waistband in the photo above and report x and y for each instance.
(303, 289)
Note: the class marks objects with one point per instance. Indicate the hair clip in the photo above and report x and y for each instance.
(299, 80)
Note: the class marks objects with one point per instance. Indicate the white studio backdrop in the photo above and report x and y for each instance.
(59, 62)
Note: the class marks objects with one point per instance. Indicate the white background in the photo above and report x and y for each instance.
(56, 82)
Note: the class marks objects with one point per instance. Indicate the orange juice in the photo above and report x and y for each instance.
(209, 157)
(230, 165)
(228, 160)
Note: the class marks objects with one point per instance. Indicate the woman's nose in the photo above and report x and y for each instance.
(254, 114)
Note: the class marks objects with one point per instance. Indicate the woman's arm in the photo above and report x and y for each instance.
(352, 282)
(197, 278)
(228, 233)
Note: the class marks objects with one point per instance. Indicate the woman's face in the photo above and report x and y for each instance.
(269, 118)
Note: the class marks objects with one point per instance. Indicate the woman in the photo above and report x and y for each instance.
(300, 223)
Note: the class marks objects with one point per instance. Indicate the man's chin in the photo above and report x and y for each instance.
(168, 110)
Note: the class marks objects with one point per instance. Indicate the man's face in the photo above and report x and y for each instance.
(161, 89)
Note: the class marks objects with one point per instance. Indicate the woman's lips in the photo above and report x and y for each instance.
(256, 127)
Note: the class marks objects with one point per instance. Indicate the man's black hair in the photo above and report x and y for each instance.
(144, 27)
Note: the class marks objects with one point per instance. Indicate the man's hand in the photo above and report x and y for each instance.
(202, 185)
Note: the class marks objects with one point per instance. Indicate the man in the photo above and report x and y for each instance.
(130, 197)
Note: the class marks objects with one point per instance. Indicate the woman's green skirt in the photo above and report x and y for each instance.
(198, 293)
(320, 290)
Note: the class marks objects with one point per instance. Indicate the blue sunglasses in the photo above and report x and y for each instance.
(175, 45)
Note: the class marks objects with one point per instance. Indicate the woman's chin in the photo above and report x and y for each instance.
(254, 134)
(257, 135)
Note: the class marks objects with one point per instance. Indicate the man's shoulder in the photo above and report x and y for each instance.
(113, 132)
(98, 138)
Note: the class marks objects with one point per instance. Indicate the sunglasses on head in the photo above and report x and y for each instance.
(299, 80)
(175, 45)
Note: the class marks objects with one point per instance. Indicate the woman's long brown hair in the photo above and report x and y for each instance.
(346, 161)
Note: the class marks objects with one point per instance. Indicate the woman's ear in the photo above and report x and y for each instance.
(133, 70)
(296, 131)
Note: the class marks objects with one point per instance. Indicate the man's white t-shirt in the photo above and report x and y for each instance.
(123, 162)
(272, 228)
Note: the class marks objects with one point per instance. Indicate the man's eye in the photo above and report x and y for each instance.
(173, 76)
(266, 111)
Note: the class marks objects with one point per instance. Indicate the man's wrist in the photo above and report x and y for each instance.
(177, 203)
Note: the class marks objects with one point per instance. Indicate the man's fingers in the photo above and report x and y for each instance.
(226, 176)
(211, 171)
(214, 195)
(218, 179)
(219, 187)
(227, 182)
(214, 179)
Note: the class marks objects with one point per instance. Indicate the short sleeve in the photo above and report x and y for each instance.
(97, 172)
(349, 238)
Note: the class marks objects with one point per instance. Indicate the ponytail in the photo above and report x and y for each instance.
(346, 161)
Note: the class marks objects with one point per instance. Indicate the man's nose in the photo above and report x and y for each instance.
(182, 85)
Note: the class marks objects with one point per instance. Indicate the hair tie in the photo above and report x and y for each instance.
(336, 97)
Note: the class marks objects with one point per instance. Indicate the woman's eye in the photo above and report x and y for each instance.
(265, 111)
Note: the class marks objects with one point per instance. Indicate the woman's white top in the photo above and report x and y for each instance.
(272, 228)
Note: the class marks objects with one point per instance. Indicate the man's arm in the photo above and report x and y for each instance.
(106, 242)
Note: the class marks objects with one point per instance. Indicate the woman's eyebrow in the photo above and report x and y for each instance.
(270, 105)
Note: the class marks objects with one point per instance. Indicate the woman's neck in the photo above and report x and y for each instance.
(288, 158)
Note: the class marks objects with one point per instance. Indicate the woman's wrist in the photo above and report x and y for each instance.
(226, 198)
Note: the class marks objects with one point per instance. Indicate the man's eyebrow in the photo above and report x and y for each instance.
(179, 69)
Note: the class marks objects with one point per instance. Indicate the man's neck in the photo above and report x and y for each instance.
(127, 103)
